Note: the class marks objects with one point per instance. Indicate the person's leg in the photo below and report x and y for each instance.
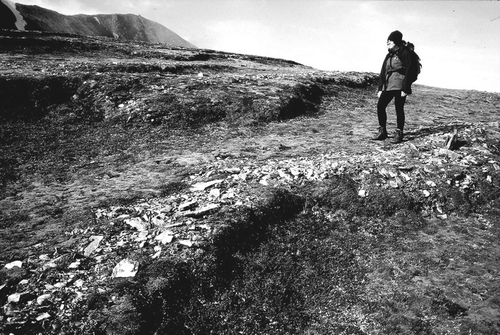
(399, 102)
(383, 102)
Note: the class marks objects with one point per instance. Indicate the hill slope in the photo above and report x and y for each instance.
(152, 190)
(121, 26)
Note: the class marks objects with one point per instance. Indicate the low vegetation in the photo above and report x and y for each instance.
(313, 228)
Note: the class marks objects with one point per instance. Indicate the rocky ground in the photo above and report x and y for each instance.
(165, 190)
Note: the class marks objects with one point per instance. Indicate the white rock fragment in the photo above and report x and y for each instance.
(215, 193)
(142, 236)
(49, 265)
(94, 244)
(451, 140)
(43, 316)
(426, 193)
(439, 208)
(430, 183)
(405, 176)
(295, 171)
(20, 297)
(60, 284)
(187, 243)
(451, 154)
(187, 205)
(229, 194)
(232, 170)
(157, 221)
(136, 223)
(165, 237)
(14, 264)
(284, 175)
(362, 193)
(203, 186)
(74, 265)
(43, 298)
(15, 297)
(78, 283)
(413, 147)
(242, 176)
(125, 269)
(205, 226)
(158, 251)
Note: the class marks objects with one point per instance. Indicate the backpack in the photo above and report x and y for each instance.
(415, 59)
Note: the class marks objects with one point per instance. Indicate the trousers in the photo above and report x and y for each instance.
(399, 102)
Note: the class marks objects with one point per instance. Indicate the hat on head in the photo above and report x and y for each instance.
(396, 36)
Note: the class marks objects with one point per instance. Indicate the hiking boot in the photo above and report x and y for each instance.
(382, 134)
(398, 138)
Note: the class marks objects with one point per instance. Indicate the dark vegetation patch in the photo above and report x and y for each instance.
(264, 272)
(172, 187)
(303, 99)
(34, 42)
(173, 111)
(8, 219)
(53, 151)
(30, 98)
(341, 193)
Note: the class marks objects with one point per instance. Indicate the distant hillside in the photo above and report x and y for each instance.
(121, 26)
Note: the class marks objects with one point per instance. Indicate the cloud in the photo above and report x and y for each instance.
(369, 8)
(241, 36)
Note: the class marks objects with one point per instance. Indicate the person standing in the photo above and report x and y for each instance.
(394, 83)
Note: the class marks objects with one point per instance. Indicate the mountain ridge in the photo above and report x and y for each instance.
(119, 26)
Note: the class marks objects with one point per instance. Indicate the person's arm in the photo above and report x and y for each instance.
(381, 78)
(408, 66)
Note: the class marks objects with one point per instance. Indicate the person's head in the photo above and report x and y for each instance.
(395, 39)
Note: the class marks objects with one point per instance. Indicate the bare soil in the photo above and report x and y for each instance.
(314, 228)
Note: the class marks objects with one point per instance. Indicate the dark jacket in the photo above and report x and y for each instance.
(401, 71)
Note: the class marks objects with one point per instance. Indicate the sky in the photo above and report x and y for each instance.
(457, 41)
